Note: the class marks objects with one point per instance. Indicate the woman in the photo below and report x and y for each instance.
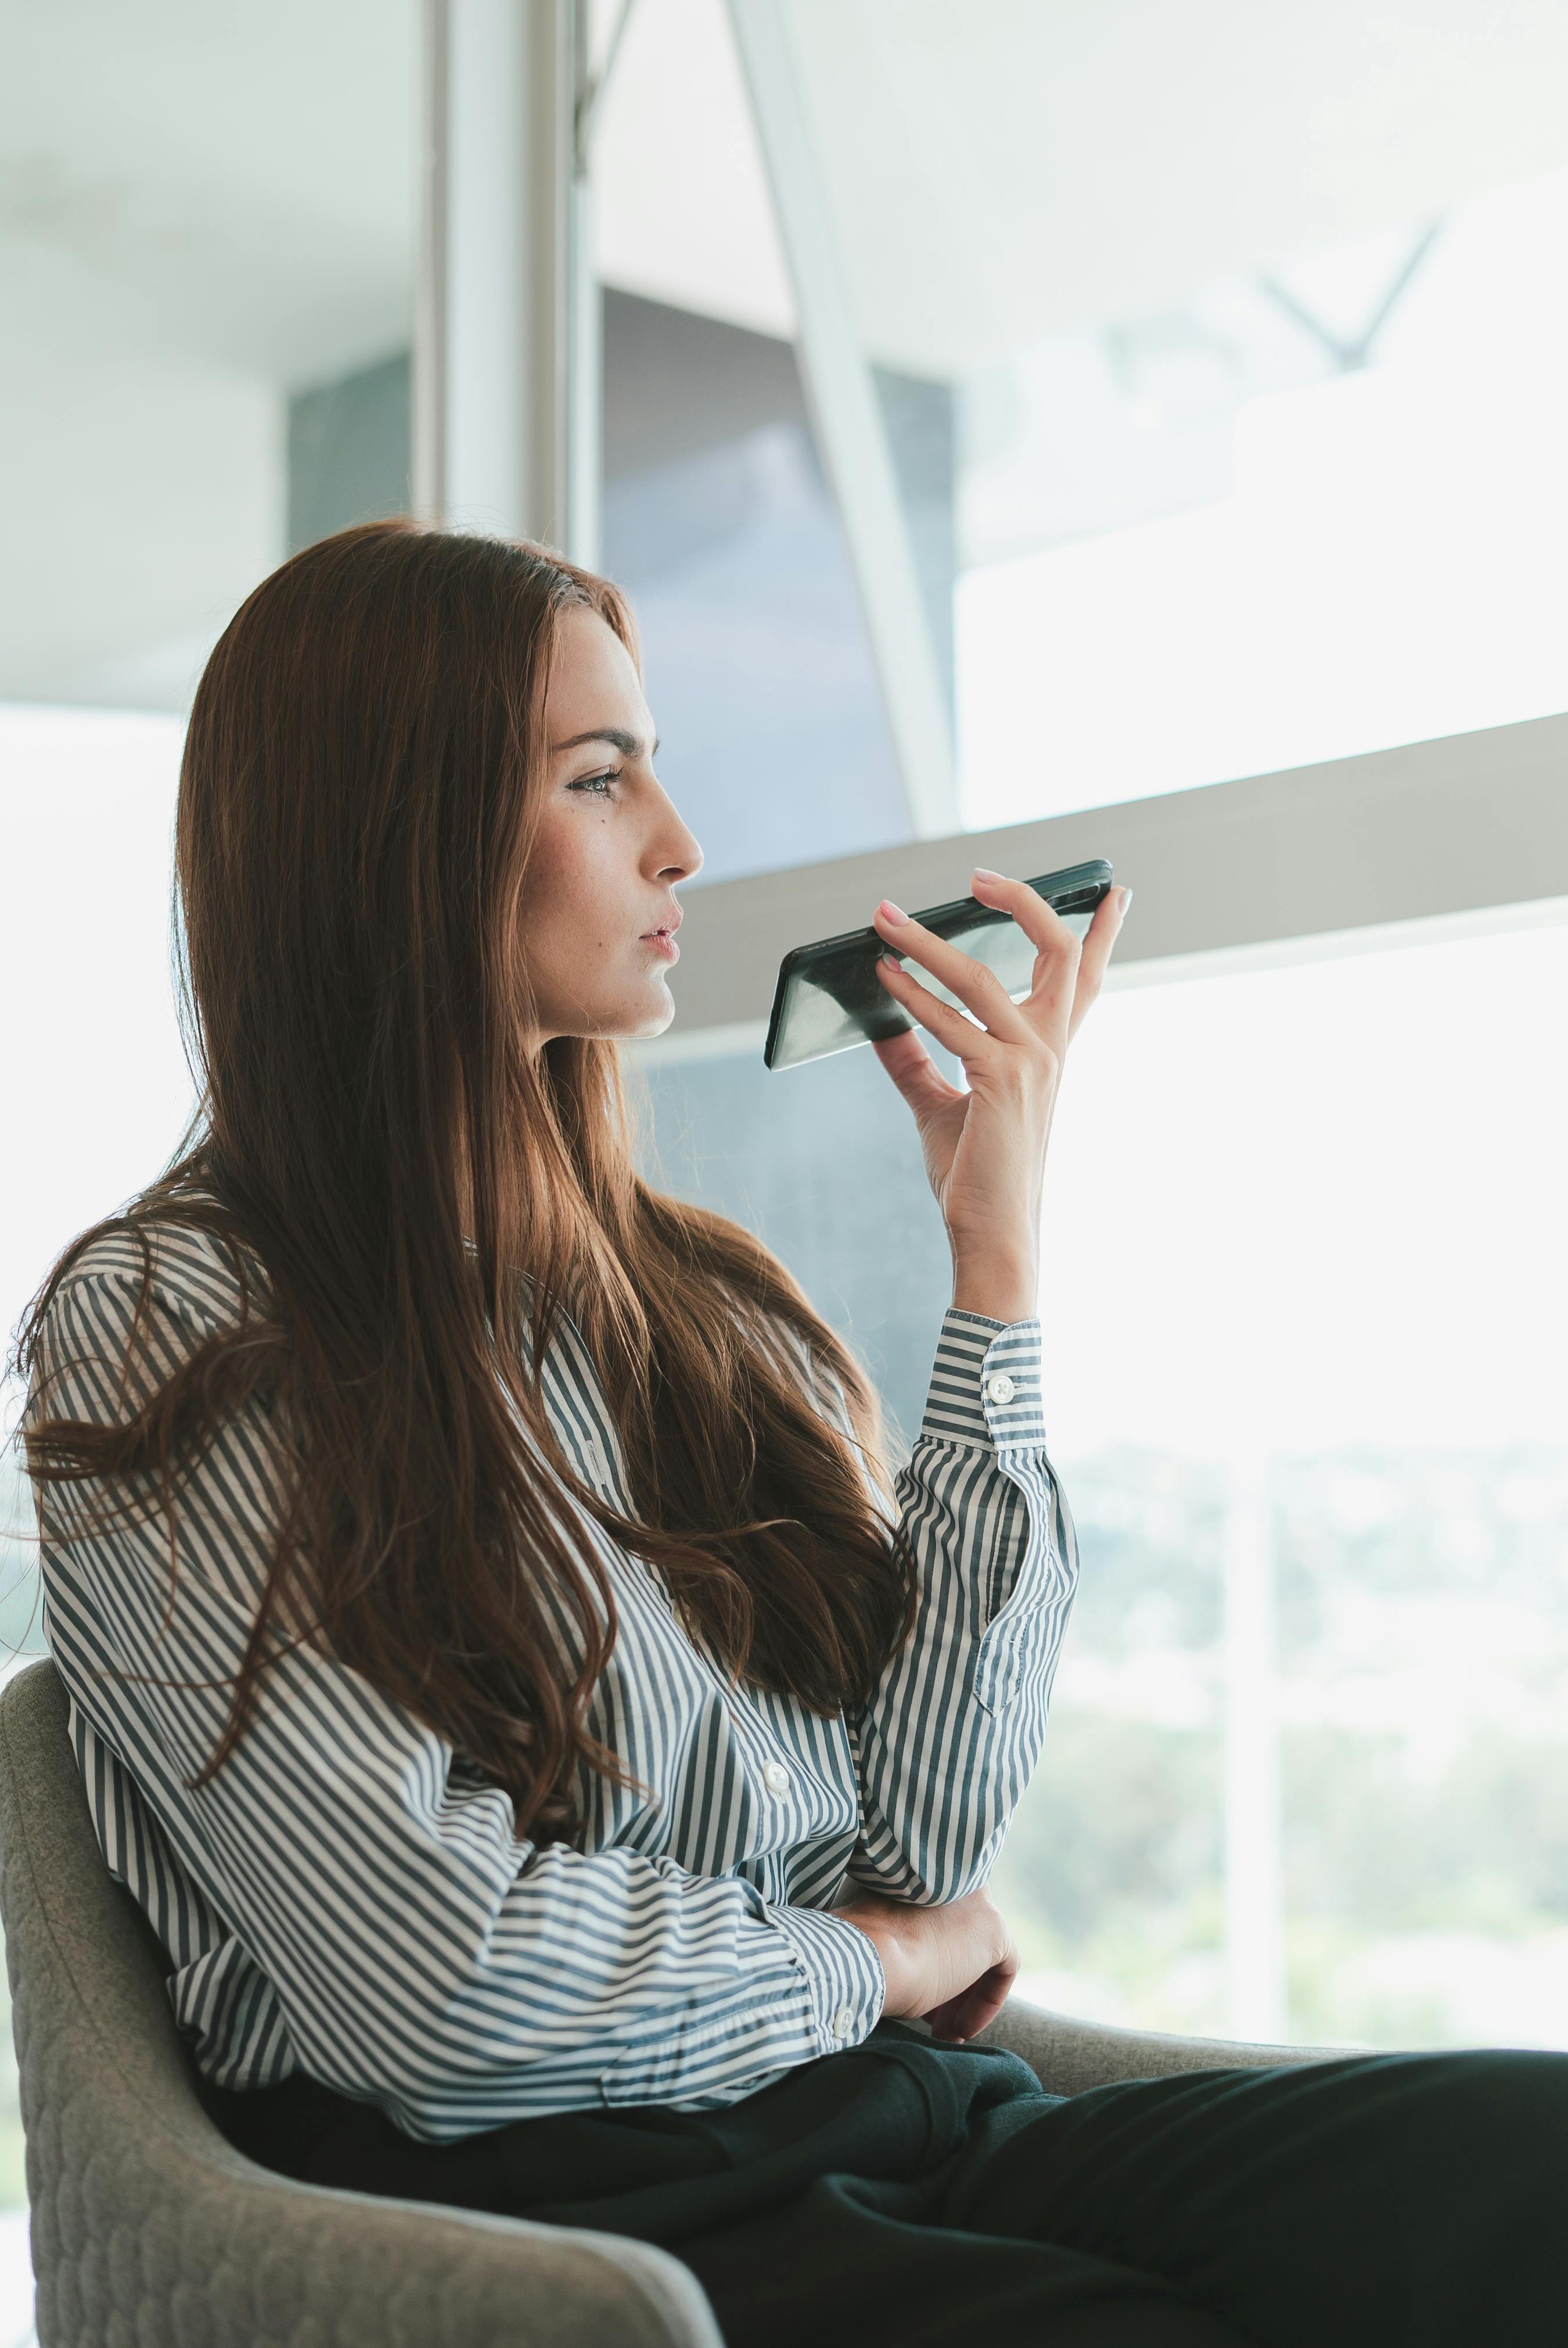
(557, 1764)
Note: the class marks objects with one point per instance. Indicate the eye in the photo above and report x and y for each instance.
(598, 786)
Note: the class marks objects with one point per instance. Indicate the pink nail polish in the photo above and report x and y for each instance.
(890, 911)
(984, 872)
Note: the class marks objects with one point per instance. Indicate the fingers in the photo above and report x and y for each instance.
(965, 1038)
(975, 2008)
(991, 1946)
(1056, 948)
(1103, 932)
(941, 1019)
(1041, 924)
(980, 990)
(915, 1073)
(1068, 976)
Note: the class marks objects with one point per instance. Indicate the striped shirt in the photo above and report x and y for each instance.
(346, 1898)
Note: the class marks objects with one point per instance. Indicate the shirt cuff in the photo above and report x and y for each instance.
(985, 1387)
(843, 1971)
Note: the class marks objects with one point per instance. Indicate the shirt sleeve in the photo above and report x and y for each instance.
(425, 1959)
(953, 1732)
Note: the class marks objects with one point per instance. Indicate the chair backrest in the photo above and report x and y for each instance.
(98, 2055)
(91, 2011)
(149, 2224)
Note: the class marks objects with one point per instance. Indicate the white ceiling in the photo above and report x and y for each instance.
(231, 182)
(201, 207)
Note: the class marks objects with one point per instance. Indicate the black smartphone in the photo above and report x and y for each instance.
(829, 997)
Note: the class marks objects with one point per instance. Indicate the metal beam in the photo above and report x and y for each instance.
(505, 347)
(1435, 830)
(1253, 1823)
(851, 433)
(427, 373)
(584, 388)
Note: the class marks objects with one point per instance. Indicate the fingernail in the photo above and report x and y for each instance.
(1126, 902)
(890, 911)
(984, 872)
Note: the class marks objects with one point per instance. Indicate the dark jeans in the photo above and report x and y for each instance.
(905, 2194)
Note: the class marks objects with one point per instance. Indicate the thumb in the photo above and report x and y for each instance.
(915, 1073)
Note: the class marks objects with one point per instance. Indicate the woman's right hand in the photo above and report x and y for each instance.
(951, 1966)
(984, 1142)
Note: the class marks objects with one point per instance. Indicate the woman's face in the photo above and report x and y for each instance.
(599, 913)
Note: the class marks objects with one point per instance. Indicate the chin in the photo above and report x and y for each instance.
(654, 1021)
(634, 1020)
(639, 1022)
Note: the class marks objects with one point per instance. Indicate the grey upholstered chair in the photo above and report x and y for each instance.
(149, 2227)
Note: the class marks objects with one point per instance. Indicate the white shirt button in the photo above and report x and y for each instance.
(775, 1778)
(842, 2023)
(1000, 1387)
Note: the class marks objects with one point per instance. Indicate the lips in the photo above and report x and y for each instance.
(662, 939)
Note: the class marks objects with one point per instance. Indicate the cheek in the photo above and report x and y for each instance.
(560, 882)
(568, 906)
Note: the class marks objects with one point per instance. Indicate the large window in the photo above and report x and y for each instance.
(1306, 1273)
(1249, 342)
(1218, 353)
(1252, 323)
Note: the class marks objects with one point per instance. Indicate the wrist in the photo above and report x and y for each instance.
(997, 1284)
(875, 1920)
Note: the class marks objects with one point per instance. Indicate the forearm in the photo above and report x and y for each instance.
(954, 1732)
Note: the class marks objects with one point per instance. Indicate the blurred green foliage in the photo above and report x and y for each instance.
(1423, 1694)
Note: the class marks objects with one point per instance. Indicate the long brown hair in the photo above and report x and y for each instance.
(357, 805)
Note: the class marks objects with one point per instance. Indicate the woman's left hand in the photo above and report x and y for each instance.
(985, 1148)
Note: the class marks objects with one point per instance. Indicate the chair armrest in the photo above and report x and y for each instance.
(1069, 2056)
(213, 2249)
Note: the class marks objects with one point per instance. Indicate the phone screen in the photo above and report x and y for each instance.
(829, 997)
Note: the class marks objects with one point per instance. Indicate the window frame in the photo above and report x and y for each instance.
(1470, 824)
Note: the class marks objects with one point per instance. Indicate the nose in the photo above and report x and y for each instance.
(674, 851)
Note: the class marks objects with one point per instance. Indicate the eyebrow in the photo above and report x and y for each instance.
(628, 745)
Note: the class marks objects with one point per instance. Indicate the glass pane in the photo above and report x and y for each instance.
(717, 517)
(1254, 326)
(1306, 1255)
(854, 1220)
(1306, 1276)
(208, 255)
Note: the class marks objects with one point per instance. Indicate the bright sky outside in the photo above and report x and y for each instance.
(1386, 567)
(1317, 1205)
